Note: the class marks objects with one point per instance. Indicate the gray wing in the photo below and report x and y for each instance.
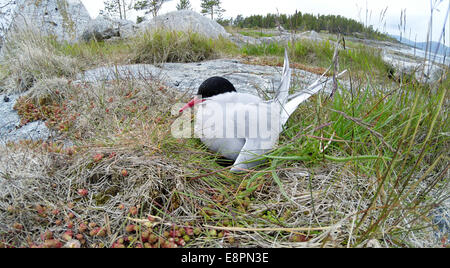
(255, 147)
(257, 143)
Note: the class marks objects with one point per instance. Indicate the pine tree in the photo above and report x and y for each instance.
(117, 8)
(212, 7)
(150, 6)
(184, 4)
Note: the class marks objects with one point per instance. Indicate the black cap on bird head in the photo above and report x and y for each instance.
(214, 86)
(211, 87)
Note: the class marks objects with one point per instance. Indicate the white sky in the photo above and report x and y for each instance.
(418, 12)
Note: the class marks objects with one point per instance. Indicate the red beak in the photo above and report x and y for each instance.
(191, 104)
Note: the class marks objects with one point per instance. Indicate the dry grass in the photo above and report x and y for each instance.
(159, 46)
(277, 61)
(49, 175)
(161, 180)
(28, 58)
(332, 182)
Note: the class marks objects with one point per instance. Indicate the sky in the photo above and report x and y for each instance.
(418, 12)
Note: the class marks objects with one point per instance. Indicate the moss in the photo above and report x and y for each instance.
(103, 198)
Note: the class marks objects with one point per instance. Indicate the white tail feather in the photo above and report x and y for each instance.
(283, 90)
(296, 99)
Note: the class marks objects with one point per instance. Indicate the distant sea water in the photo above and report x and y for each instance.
(440, 53)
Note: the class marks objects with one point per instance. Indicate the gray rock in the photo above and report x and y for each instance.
(409, 68)
(10, 130)
(282, 37)
(6, 13)
(104, 28)
(186, 20)
(312, 35)
(126, 28)
(100, 29)
(441, 219)
(407, 61)
(137, 71)
(242, 40)
(65, 19)
(253, 79)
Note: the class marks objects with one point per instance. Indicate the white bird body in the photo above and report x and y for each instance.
(242, 127)
(229, 147)
(238, 126)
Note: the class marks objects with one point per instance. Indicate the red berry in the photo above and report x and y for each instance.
(18, 226)
(130, 228)
(133, 211)
(101, 232)
(68, 235)
(83, 192)
(39, 209)
(79, 237)
(47, 235)
(116, 245)
(152, 238)
(145, 236)
(52, 243)
(98, 157)
(189, 231)
(94, 231)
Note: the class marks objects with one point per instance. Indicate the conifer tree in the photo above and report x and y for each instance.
(212, 7)
(184, 4)
(150, 6)
(117, 8)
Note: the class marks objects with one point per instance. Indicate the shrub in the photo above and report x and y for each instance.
(159, 46)
(29, 57)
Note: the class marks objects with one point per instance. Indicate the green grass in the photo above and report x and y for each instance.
(170, 46)
(94, 53)
(272, 49)
(385, 137)
(358, 58)
(152, 47)
(256, 34)
(366, 163)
